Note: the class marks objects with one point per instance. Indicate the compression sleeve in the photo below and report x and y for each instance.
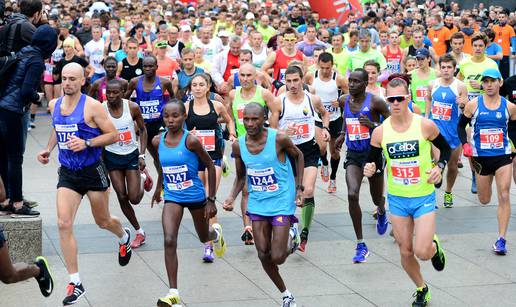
(443, 147)
(375, 155)
(461, 128)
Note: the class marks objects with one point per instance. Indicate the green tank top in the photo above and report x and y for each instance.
(341, 60)
(419, 88)
(239, 104)
(408, 157)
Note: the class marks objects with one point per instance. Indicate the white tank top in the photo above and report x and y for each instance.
(300, 116)
(259, 58)
(328, 91)
(126, 143)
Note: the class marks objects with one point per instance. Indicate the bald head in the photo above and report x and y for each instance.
(73, 69)
(72, 78)
(254, 109)
(247, 68)
(247, 76)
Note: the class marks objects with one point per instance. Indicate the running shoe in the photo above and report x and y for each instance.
(499, 247)
(448, 200)
(30, 203)
(124, 250)
(147, 185)
(24, 210)
(225, 166)
(208, 256)
(361, 253)
(304, 240)
(7, 209)
(219, 246)
(32, 124)
(325, 173)
(247, 236)
(474, 184)
(375, 214)
(138, 241)
(295, 239)
(45, 279)
(289, 301)
(439, 259)
(73, 293)
(169, 300)
(332, 187)
(460, 165)
(382, 224)
(422, 296)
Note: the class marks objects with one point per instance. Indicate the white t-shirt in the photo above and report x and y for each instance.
(209, 50)
(94, 52)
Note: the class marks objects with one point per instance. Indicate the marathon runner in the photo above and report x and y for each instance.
(81, 129)
(297, 119)
(420, 78)
(179, 155)
(246, 56)
(98, 88)
(261, 156)
(405, 139)
(185, 74)
(131, 66)
(489, 115)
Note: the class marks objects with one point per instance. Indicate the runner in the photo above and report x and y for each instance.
(420, 78)
(328, 84)
(122, 158)
(297, 118)
(178, 161)
(151, 95)
(489, 115)
(405, 139)
(98, 89)
(131, 66)
(361, 114)
(373, 71)
(262, 79)
(419, 37)
(185, 75)
(446, 95)
(393, 53)
(261, 156)
(82, 128)
(247, 92)
(203, 122)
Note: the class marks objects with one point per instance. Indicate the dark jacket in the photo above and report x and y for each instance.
(21, 89)
(26, 32)
(83, 36)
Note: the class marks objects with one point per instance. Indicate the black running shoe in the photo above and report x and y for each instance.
(439, 259)
(7, 209)
(422, 296)
(124, 250)
(30, 203)
(24, 210)
(45, 280)
(304, 240)
(73, 293)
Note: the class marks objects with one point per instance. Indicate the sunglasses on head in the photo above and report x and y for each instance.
(392, 99)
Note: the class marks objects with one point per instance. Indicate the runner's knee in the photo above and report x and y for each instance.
(278, 257)
(424, 252)
(103, 223)
(170, 241)
(64, 224)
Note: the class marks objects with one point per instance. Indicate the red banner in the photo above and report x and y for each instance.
(338, 9)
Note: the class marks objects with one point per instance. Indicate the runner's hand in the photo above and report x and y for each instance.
(300, 199)
(435, 175)
(365, 121)
(369, 169)
(156, 197)
(475, 84)
(44, 156)
(232, 138)
(141, 163)
(339, 141)
(210, 210)
(228, 204)
(467, 150)
(326, 135)
(193, 131)
(335, 104)
(461, 101)
(291, 129)
(76, 144)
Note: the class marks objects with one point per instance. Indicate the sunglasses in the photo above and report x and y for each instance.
(392, 99)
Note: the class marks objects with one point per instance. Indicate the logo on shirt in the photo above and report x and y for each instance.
(443, 94)
(405, 149)
(498, 115)
(366, 109)
(305, 111)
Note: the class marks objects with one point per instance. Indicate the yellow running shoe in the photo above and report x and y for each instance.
(169, 301)
(219, 246)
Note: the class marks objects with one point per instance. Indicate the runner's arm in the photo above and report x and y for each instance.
(169, 88)
(159, 183)
(142, 130)
(193, 144)
(100, 118)
(119, 68)
(269, 62)
(375, 153)
(52, 140)
(464, 120)
(292, 151)
(428, 99)
(93, 89)
(512, 123)
(230, 124)
(381, 108)
(130, 89)
(239, 182)
(275, 110)
(319, 108)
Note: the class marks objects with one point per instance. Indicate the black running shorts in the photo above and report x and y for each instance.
(486, 166)
(121, 162)
(153, 129)
(335, 127)
(89, 178)
(359, 159)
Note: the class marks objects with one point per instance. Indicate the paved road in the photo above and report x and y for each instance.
(322, 276)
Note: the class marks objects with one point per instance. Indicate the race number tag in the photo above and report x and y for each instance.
(421, 93)
(263, 180)
(301, 130)
(176, 177)
(124, 137)
(207, 139)
(491, 138)
(64, 133)
(150, 109)
(442, 111)
(356, 131)
(240, 113)
(405, 172)
(281, 77)
(330, 108)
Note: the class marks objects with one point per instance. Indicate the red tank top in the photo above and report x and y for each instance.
(393, 60)
(282, 62)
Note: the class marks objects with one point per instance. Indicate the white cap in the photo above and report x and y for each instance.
(168, 13)
(223, 33)
(249, 16)
(185, 28)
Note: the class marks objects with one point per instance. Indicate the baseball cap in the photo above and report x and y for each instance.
(249, 16)
(161, 44)
(186, 28)
(422, 53)
(223, 33)
(491, 73)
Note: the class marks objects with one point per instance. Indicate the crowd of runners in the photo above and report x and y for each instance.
(405, 92)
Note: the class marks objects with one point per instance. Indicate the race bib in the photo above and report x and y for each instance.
(207, 139)
(491, 138)
(48, 68)
(356, 131)
(240, 113)
(176, 177)
(125, 137)
(405, 172)
(302, 130)
(263, 180)
(393, 66)
(64, 133)
(281, 77)
(104, 96)
(441, 111)
(150, 109)
(421, 93)
(330, 108)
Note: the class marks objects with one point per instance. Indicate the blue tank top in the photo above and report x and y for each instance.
(270, 182)
(181, 181)
(74, 125)
(236, 81)
(183, 80)
(358, 137)
(151, 103)
(445, 112)
(490, 130)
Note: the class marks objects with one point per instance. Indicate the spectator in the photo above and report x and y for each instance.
(84, 33)
(493, 50)
(505, 37)
(20, 91)
(26, 19)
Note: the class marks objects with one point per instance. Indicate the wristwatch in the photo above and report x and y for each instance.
(212, 199)
(88, 143)
(441, 165)
(300, 187)
(142, 156)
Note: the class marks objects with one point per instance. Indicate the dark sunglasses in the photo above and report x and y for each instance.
(392, 99)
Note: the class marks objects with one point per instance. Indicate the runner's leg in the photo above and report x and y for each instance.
(354, 177)
(453, 169)
(503, 185)
(262, 240)
(424, 226)
(308, 210)
(118, 181)
(13, 273)
(202, 225)
(403, 228)
(171, 219)
(484, 184)
(100, 210)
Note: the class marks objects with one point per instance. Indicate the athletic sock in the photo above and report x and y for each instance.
(334, 167)
(307, 212)
(140, 231)
(124, 238)
(360, 241)
(32, 117)
(75, 279)
(286, 293)
(173, 291)
(324, 160)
